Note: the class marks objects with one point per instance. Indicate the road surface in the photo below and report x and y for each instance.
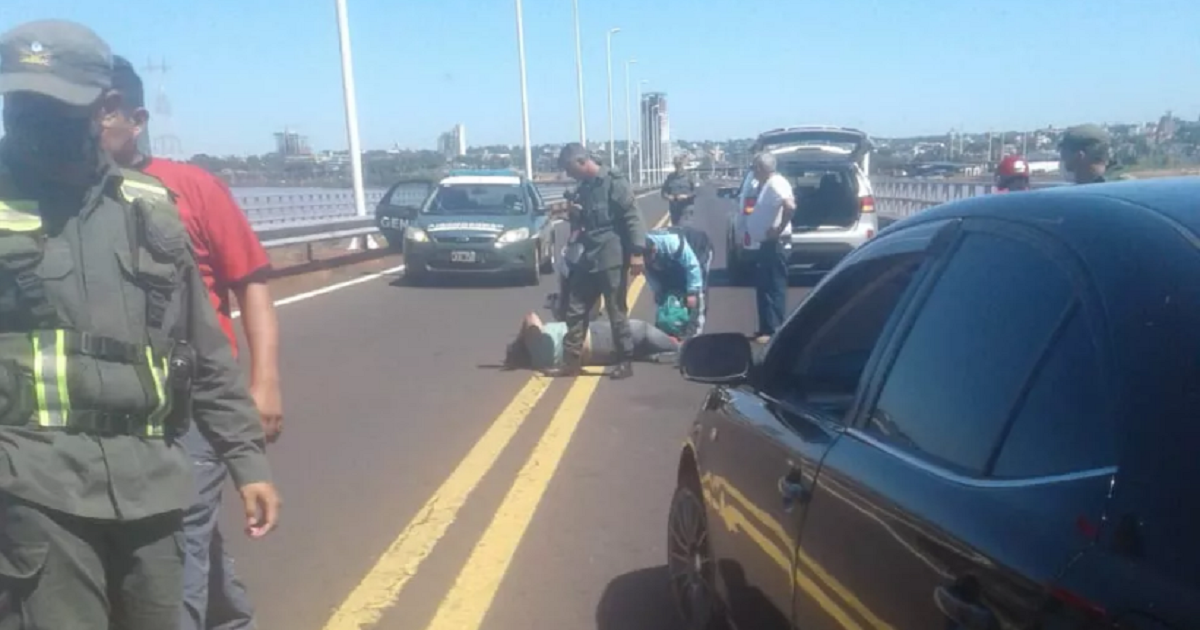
(426, 488)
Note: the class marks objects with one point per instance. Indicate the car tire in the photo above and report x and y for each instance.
(739, 270)
(532, 276)
(547, 261)
(690, 566)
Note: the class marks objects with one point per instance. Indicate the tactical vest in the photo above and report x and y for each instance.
(597, 216)
(39, 348)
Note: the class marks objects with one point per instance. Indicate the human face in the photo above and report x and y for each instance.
(51, 138)
(120, 134)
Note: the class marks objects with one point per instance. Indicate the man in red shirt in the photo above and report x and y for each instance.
(230, 259)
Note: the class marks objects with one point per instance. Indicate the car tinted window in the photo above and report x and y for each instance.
(1063, 425)
(824, 360)
(973, 344)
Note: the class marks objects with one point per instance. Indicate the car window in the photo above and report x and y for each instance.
(477, 199)
(1063, 425)
(973, 344)
(535, 195)
(824, 351)
(408, 195)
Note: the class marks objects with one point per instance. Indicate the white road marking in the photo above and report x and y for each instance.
(331, 288)
(349, 283)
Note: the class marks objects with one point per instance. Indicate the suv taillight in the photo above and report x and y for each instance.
(748, 205)
(866, 204)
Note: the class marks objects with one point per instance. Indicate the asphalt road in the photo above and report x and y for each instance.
(425, 488)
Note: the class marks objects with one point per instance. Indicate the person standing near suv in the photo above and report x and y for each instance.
(1084, 152)
(230, 260)
(770, 225)
(679, 190)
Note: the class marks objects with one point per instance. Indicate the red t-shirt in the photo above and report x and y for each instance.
(227, 249)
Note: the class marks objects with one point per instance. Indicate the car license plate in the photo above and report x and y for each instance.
(462, 257)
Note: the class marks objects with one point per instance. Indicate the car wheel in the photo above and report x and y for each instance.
(690, 560)
(547, 259)
(532, 277)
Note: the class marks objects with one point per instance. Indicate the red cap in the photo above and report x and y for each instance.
(1013, 166)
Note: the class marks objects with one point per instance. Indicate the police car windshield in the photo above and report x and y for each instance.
(463, 199)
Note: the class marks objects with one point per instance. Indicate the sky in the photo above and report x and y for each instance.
(240, 70)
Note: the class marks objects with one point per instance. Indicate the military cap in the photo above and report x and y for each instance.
(63, 60)
(1084, 138)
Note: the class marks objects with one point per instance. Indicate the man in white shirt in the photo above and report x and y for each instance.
(770, 225)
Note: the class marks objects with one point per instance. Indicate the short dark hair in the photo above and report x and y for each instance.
(573, 152)
(128, 83)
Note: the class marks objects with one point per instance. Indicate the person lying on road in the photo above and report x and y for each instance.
(538, 344)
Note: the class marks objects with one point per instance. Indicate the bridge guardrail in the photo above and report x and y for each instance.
(319, 221)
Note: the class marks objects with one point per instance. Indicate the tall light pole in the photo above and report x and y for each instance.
(641, 142)
(360, 204)
(612, 140)
(579, 78)
(524, 94)
(628, 124)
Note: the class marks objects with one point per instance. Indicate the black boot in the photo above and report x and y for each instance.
(622, 370)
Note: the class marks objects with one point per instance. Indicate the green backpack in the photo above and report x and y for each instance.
(672, 316)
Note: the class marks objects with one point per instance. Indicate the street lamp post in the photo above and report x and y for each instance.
(612, 140)
(628, 123)
(524, 94)
(641, 140)
(579, 78)
(360, 204)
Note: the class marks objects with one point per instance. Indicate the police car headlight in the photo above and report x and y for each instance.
(514, 236)
(416, 235)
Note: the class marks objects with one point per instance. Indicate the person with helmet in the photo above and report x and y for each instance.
(1012, 174)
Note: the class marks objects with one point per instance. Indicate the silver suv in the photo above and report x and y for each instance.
(827, 168)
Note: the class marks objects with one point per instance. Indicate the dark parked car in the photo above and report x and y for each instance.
(988, 417)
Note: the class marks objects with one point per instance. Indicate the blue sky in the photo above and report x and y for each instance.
(243, 69)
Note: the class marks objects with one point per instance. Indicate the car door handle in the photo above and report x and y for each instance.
(792, 488)
(966, 614)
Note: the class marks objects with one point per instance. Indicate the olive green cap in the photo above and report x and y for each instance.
(63, 60)
(1084, 138)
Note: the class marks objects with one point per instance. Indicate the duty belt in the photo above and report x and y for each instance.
(51, 397)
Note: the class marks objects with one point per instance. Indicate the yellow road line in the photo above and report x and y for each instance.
(378, 590)
(473, 592)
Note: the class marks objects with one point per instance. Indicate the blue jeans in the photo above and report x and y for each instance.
(213, 597)
(770, 287)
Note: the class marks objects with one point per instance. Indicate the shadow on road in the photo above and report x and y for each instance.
(640, 600)
(455, 281)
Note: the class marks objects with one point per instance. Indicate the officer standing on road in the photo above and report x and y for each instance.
(1084, 153)
(108, 345)
(607, 231)
(679, 190)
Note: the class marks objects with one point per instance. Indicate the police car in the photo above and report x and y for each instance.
(481, 222)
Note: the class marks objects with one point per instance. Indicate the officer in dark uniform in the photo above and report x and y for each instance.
(108, 345)
(607, 231)
(1084, 153)
(679, 190)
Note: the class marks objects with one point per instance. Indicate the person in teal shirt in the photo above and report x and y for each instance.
(539, 345)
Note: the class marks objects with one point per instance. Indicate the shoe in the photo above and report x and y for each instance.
(564, 371)
(622, 370)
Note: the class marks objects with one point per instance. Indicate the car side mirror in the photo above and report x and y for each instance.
(540, 210)
(717, 359)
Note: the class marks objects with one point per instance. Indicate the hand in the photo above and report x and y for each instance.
(636, 266)
(262, 503)
(270, 408)
(774, 233)
(691, 301)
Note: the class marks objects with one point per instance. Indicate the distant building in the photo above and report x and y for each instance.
(453, 143)
(656, 132)
(291, 144)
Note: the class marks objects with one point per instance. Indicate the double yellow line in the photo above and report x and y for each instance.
(473, 592)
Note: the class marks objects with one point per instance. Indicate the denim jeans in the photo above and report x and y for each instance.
(770, 287)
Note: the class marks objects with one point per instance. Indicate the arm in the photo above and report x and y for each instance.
(695, 275)
(223, 410)
(666, 182)
(628, 220)
(240, 262)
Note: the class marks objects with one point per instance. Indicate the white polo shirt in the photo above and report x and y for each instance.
(768, 208)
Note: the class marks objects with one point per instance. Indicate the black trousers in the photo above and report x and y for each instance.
(584, 290)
